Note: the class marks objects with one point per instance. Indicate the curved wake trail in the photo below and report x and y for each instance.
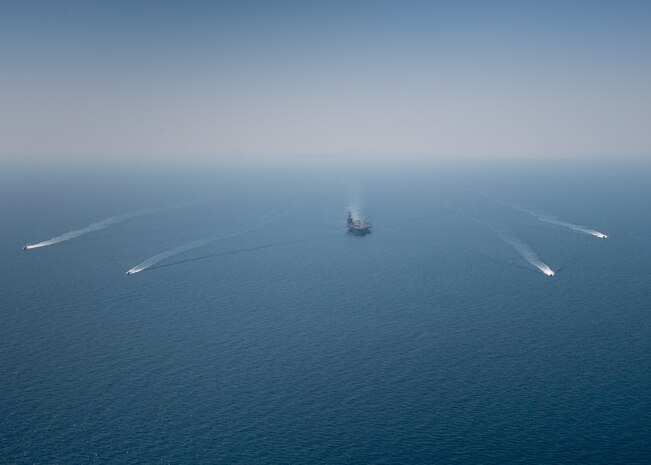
(103, 224)
(224, 254)
(201, 242)
(552, 219)
(523, 249)
(170, 253)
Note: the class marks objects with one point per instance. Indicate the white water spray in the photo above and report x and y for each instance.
(103, 224)
(523, 249)
(201, 242)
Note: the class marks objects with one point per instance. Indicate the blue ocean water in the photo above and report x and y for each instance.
(431, 340)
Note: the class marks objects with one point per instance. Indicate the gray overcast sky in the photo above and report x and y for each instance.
(503, 78)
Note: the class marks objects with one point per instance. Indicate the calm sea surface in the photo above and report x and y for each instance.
(432, 340)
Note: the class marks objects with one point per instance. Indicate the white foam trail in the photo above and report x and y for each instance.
(552, 219)
(523, 249)
(201, 242)
(103, 224)
(529, 255)
(572, 226)
(90, 228)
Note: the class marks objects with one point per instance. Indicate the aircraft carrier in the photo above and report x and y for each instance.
(358, 227)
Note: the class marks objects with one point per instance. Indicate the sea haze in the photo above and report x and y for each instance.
(431, 340)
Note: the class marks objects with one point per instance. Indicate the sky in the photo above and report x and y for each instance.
(325, 78)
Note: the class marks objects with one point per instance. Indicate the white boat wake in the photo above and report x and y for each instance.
(105, 223)
(523, 249)
(201, 242)
(551, 219)
(529, 255)
(574, 227)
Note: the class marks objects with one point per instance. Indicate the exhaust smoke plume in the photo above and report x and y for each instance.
(355, 199)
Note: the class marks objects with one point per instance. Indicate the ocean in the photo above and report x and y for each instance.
(281, 339)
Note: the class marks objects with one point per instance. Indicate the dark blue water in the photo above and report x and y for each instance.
(430, 341)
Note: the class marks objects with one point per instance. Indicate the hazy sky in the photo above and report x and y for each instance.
(396, 78)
